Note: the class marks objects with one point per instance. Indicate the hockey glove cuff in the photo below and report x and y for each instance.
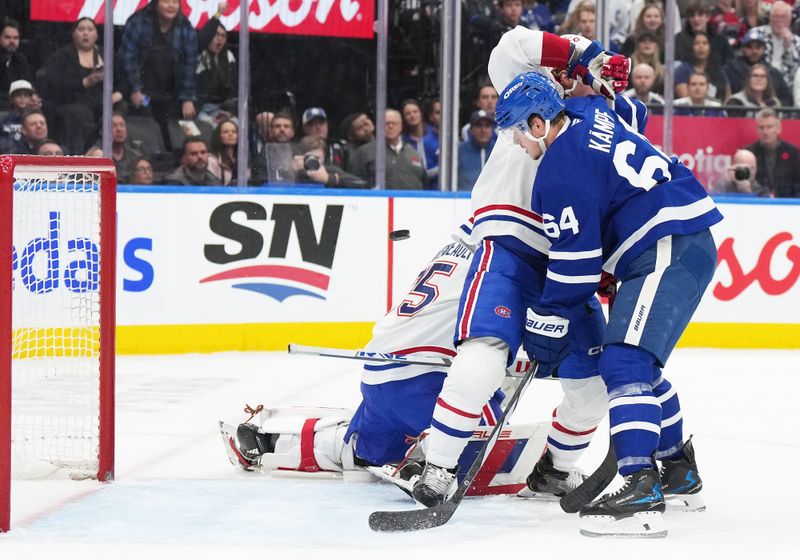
(546, 341)
(587, 62)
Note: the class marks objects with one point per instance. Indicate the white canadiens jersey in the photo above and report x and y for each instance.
(501, 197)
(424, 321)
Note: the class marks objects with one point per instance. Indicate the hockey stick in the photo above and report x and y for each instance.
(589, 489)
(516, 369)
(416, 519)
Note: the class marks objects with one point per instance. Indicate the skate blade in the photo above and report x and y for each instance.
(529, 494)
(236, 458)
(385, 472)
(685, 502)
(646, 525)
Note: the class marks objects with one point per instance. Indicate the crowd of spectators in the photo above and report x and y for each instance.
(175, 94)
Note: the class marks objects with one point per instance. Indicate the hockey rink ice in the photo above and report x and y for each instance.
(176, 494)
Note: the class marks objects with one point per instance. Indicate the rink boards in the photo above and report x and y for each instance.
(214, 269)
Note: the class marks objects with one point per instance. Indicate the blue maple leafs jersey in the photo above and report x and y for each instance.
(605, 194)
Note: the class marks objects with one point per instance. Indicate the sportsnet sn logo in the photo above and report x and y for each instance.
(281, 277)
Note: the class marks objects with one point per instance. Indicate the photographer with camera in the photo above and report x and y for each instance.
(740, 176)
(309, 166)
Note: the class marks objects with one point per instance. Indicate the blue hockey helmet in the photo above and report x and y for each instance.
(527, 94)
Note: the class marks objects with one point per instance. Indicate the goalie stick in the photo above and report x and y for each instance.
(516, 369)
(428, 518)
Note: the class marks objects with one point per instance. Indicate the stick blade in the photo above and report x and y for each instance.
(411, 520)
(573, 501)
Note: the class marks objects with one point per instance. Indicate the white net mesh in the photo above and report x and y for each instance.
(56, 319)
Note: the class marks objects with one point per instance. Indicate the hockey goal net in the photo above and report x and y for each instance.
(57, 290)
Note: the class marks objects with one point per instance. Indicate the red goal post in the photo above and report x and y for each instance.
(57, 317)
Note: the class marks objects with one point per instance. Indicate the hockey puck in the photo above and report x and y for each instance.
(399, 234)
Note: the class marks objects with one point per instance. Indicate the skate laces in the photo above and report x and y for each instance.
(574, 479)
(252, 411)
(414, 441)
(437, 479)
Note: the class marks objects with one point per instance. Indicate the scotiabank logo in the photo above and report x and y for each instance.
(762, 272)
(40, 262)
(268, 271)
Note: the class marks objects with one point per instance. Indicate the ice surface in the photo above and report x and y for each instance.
(177, 495)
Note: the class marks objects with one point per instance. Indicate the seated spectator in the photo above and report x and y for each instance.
(782, 47)
(48, 147)
(20, 96)
(697, 15)
(758, 93)
(473, 152)
(273, 163)
(752, 52)
(648, 52)
(619, 19)
(404, 169)
(751, 14)
(485, 100)
(536, 15)
(422, 137)
(223, 152)
(651, 19)
(724, 20)
(310, 166)
(193, 170)
(635, 8)
(702, 60)
(740, 176)
(315, 123)
(32, 131)
(698, 103)
(13, 64)
(141, 172)
(158, 57)
(281, 128)
(778, 160)
(122, 153)
(643, 77)
(581, 21)
(358, 129)
(217, 72)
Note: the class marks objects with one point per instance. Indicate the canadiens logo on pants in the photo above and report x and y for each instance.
(504, 312)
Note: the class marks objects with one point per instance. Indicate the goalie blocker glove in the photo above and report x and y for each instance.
(546, 341)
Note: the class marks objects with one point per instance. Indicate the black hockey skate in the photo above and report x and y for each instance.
(435, 485)
(635, 510)
(547, 482)
(246, 446)
(681, 482)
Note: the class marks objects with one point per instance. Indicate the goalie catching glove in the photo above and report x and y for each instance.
(605, 72)
(546, 341)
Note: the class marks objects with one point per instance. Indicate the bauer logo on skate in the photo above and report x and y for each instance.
(333, 18)
(271, 268)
